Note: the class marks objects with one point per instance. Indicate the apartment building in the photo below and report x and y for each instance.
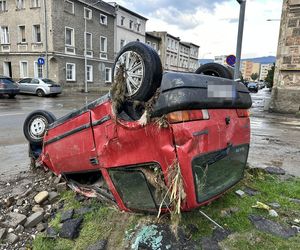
(221, 59)
(248, 68)
(153, 41)
(264, 69)
(129, 26)
(174, 54)
(57, 31)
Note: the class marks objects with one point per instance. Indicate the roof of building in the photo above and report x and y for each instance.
(116, 5)
(99, 5)
(189, 44)
(151, 34)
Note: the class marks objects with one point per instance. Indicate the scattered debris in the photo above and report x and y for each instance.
(67, 215)
(51, 233)
(13, 220)
(99, 245)
(41, 197)
(70, 229)
(240, 193)
(251, 191)
(274, 205)
(275, 170)
(273, 213)
(12, 238)
(3, 233)
(261, 206)
(294, 200)
(34, 219)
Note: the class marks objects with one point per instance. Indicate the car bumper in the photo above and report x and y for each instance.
(9, 91)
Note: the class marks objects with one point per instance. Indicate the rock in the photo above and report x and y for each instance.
(19, 229)
(53, 196)
(37, 208)
(41, 197)
(207, 243)
(294, 200)
(51, 233)
(220, 234)
(240, 193)
(271, 227)
(41, 227)
(34, 219)
(10, 230)
(12, 238)
(9, 201)
(13, 220)
(67, 215)
(57, 180)
(99, 245)
(61, 187)
(275, 170)
(273, 213)
(83, 210)
(274, 205)
(19, 202)
(2, 233)
(70, 229)
(251, 191)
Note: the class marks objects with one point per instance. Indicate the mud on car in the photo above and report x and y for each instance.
(155, 136)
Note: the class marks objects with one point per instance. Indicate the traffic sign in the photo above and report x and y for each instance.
(41, 61)
(231, 60)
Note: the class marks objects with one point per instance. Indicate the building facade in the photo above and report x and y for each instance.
(264, 69)
(286, 89)
(248, 68)
(57, 31)
(221, 59)
(174, 54)
(153, 41)
(129, 26)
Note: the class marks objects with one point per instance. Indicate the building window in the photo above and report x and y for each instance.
(70, 72)
(69, 6)
(122, 43)
(38, 70)
(69, 36)
(23, 69)
(3, 6)
(103, 19)
(154, 45)
(37, 34)
(138, 27)
(22, 34)
(89, 73)
(35, 3)
(87, 13)
(103, 44)
(130, 24)
(122, 20)
(88, 40)
(4, 35)
(107, 74)
(20, 4)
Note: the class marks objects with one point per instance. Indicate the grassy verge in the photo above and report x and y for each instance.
(109, 223)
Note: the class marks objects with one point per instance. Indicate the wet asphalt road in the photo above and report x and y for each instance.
(274, 138)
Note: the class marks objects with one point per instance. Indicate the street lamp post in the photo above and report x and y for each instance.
(85, 49)
(239, 38)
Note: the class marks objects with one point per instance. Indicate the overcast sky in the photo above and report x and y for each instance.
(213, 24)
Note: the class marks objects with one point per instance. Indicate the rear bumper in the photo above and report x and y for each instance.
(9, 91)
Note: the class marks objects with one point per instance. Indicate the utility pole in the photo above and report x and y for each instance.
(239, 38)
(46, 39)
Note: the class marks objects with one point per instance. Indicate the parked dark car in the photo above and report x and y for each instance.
(155, 134)
(8, 87)
(253, 87)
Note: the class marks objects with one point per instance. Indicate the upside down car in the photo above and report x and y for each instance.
(123, 146)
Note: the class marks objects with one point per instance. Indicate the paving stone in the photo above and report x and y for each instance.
(99, 245)
(13, 220)
(61, 187)
(70, 229)
(3, 233)
(34, 219)
(12, 238)
(53, 196)
(67, 215)
(271, 227)
(41, 197)
(275, 170)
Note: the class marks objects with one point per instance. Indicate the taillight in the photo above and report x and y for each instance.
(2, 85)
(243, 112)
(188, 115)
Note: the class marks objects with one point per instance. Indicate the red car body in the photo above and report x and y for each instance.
(211, 148)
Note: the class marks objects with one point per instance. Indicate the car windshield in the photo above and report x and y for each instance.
(6, 80)
(47, 80)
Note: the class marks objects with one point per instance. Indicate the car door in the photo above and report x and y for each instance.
(24, 85)
(33, 85)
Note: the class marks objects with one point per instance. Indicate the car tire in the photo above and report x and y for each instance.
(214, 69)
(143, 70)
(36, 124)
(11, 96)
(40, 93)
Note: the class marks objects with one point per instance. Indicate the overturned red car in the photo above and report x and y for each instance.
(155, 130)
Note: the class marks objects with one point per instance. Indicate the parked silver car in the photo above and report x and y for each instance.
(39, 86)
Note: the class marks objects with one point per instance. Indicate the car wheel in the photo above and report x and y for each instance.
(142, 70)
(36, 124)
(11, 96)
(40, 93)
(214, 69)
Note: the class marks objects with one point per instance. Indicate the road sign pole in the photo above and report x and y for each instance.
(240, 38)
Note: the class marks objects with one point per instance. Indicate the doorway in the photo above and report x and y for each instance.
(7, 70)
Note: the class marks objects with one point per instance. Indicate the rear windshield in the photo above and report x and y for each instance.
(6, 80)
(47, 80)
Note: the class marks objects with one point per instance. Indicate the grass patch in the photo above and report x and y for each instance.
(105, 222)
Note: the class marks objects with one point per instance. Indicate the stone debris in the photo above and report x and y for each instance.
(34, 219)
(37, 208)
(99, 245)
(271, 227)
(61, 187)
(251, 191)
(273, 213)
(3, 233)
(51, 233)
(12, 238)
(275, 170)
(274, 205)
(53, 196)
(41, 227)
(295, 200)
(240, 193)
(67, 215)
(70, 229)
(41, 197)
(13, 220)
(19, 229)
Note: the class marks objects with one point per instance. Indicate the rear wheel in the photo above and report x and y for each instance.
(40, 93)
(36, 124)
(214, 69)
(11, 96)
